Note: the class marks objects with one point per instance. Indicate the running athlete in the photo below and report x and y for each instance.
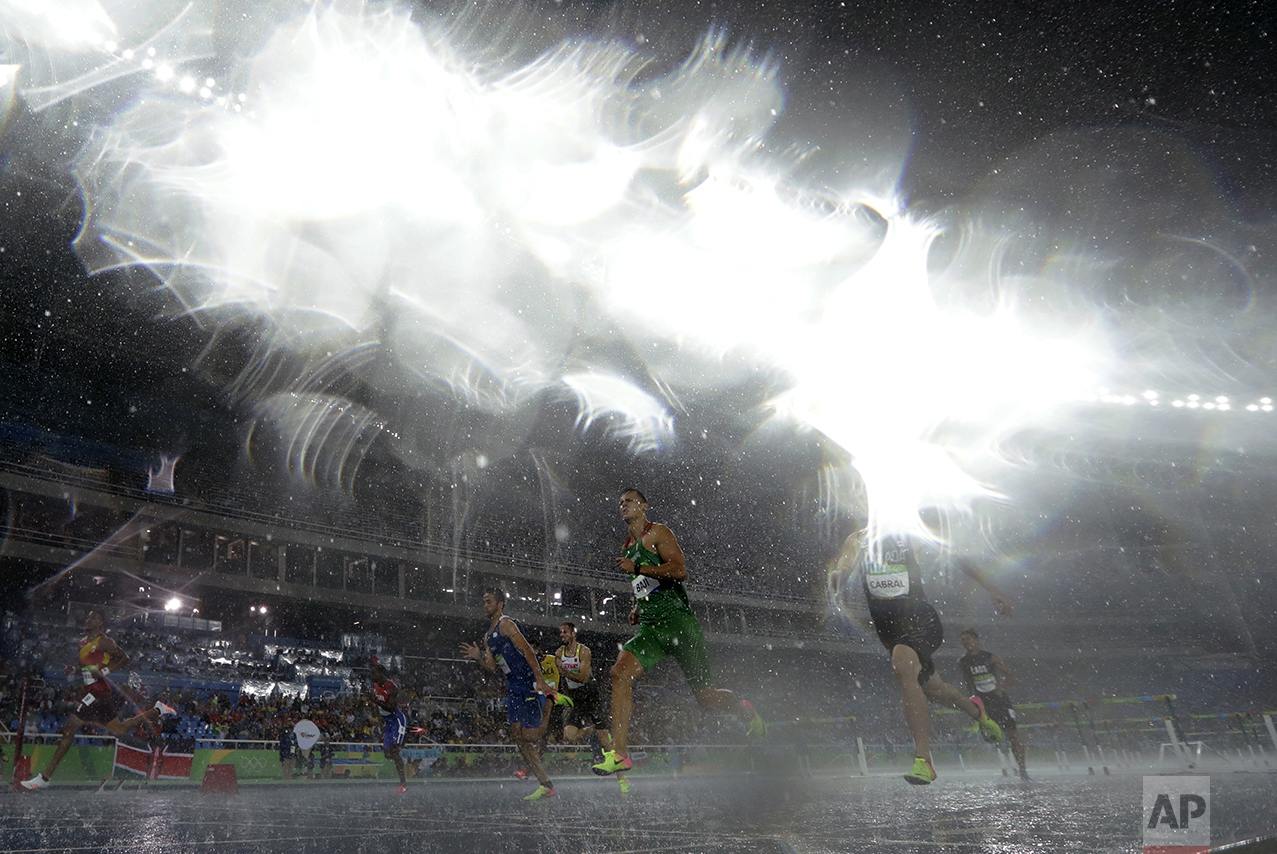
(988, 678)
(910, 628)
(586, 717)
(552, 711)
(394, 723)
(99, 656)
(506, 650)
(667, 626)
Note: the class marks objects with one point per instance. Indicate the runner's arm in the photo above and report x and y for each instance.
(511, 630)
(672, 568)
(119, 658)
(563, 674)
(1001, 603)
(966, 677)
(584, 676)
(1005, 677)
(850, 554)
(482, 655)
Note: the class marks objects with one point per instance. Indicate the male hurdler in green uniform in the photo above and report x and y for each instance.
(667, 626)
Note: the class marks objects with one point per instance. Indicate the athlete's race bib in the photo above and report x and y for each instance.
(571, 667)
(985, 682)
(500, 660)
(644, 585)
(888, 581)
(89, 674)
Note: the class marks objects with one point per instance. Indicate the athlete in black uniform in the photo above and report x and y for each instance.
(988, 678)
(910, 628)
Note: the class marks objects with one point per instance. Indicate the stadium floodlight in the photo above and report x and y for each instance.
(173, 604)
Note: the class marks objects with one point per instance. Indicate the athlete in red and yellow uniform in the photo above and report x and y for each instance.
(99, 656)
(95, 654)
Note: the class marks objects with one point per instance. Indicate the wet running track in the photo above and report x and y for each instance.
(714, 815)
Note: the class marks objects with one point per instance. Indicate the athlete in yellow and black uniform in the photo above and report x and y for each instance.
(555, 714)
(550, 670)
(99, 657)
(666, 626)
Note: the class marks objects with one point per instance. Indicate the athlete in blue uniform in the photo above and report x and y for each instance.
(385, 694)
(505, 650)
(910, 629)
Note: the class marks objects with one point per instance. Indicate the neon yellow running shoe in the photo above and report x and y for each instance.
(989, 729)
(625, 785)
(612, 762)
(922, 773)
(543, 791)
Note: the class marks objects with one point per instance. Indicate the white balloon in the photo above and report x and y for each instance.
(307, 734)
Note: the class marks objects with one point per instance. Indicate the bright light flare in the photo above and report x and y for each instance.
(741, 273)
(325, 437)
(332, 103)
(370, 167)
(635, 416)
(58, 25)
(886, 371)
